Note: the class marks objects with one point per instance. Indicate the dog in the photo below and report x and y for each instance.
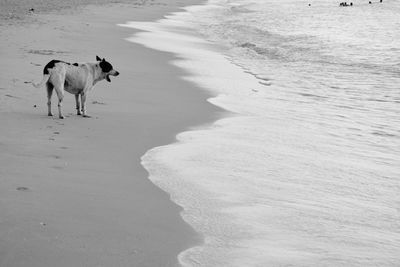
(77, 79)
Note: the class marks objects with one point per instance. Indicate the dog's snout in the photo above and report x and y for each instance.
(116, 73)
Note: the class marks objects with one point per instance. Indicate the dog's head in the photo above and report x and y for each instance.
(106, 69)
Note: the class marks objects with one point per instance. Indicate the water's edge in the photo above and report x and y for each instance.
(190, 48)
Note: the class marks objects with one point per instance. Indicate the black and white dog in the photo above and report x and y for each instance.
(77, 79)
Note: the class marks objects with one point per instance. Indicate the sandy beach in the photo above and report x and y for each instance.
(73, 191)
(295, 163)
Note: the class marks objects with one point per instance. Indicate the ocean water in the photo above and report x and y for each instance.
(305, 168)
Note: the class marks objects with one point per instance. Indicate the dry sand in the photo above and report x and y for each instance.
(73, 192)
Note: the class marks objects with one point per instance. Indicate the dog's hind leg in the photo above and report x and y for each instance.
(78, 106)
(58, 83)
(60, 100)
(59, 87)
(50, 88)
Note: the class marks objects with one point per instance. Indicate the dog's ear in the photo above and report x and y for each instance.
(98, 58)
(104, 60)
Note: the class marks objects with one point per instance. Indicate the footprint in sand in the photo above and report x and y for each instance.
(46, 52)
(22, 188)
(98, 103)
(58, 167)
(64, 147)
(12, 96)
(54, 134)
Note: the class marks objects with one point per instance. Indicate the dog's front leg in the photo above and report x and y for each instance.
(78, 106)
(83, 100)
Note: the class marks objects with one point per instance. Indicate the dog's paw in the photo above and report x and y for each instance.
(86, 116)
(61, 117)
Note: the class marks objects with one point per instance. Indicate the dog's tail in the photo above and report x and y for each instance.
(44, 80)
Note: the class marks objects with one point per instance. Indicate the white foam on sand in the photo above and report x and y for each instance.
(263, 186)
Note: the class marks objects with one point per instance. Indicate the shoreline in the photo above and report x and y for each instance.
(74, 190)
(174, 167)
